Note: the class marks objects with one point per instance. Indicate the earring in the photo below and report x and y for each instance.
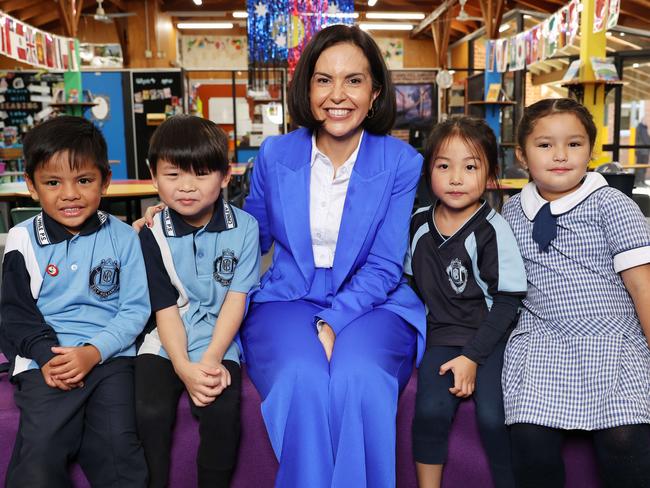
(371, 112)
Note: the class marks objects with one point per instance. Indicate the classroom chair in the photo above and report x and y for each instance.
(19, 214)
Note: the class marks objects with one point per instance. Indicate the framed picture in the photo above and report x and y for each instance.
(414, 105)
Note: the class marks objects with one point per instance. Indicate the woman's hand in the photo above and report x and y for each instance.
(147, 220)
(326, 336)
(464, 370)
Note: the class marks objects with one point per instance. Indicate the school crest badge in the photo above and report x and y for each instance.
(105, 278)
(224, 267)
(457, 274)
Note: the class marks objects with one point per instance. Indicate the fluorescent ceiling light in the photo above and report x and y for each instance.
(371, 3)
(395, 15)
(204, 25)
(239, 14)
(394, 26)
(198, 2)
(504, 27)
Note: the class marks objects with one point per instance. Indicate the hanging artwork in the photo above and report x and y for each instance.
(278, 31)
(601, 8)
(520, 52)
(310, 16)
(501, 56)
(29, 45)
(573, 21)
(612, 16)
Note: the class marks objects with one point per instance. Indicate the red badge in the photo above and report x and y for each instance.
(52, 270)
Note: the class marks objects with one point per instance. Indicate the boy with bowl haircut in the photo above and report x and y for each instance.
(68, 327)
(202, 257)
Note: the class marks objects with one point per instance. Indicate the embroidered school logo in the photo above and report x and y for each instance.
(457, 274)
(105, 278)
(52, 270)
(224, 267)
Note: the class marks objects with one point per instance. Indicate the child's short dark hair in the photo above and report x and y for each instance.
(384, 105)
(191, 143)
(551, 106)
(74, 135)
(476, 133)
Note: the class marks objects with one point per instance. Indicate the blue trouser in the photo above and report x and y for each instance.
(330, 424)
(435, 408)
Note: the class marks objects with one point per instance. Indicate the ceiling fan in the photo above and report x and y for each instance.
(101, 16)
(463, 16)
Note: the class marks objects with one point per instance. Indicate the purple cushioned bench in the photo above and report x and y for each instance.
(467, 465)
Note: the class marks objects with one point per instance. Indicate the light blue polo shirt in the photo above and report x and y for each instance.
(71, 290)
(195, 268)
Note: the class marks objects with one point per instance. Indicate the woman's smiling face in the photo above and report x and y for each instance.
(341, 92)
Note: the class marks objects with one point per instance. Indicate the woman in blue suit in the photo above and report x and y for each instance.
(332, 332)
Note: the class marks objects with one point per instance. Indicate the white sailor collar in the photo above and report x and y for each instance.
(532, 201)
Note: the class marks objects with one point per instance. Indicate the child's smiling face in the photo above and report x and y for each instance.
(190, 194)
(557, 154)
(69, 195)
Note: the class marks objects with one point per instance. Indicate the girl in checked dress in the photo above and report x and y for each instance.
(579, 356)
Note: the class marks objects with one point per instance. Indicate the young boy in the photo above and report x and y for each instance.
(202, 257)
(74, 299)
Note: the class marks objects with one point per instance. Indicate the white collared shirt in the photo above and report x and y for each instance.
(327, 191)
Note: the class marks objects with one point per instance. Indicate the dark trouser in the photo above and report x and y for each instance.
(623, 455)
(158, 389)
(95, 423)
(435, 408)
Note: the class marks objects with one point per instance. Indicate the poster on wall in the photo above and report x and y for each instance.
(158, 94)
(24, 100)
(392, 49)
(414, 105)
(226, 52)
(100, 55)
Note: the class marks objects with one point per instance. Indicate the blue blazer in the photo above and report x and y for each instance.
(373, 237)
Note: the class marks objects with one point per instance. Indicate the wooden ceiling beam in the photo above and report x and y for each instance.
(433, 16)
(70, 11)
(46, 18)
(121, 27)
(11, 6)
(28, 13)
(121, 5)
(440, 31)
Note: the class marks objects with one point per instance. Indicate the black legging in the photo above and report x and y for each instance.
(623, 455)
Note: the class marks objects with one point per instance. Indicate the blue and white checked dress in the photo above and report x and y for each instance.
(578, 358)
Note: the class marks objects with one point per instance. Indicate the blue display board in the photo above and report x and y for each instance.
(109, 116)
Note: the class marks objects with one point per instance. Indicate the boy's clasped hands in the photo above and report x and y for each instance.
(70, 366)
(204, 380)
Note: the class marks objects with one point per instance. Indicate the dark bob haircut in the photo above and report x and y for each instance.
(298, 99)
(476, 133)
(191, 143)
(552, 106)
(76, 136)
